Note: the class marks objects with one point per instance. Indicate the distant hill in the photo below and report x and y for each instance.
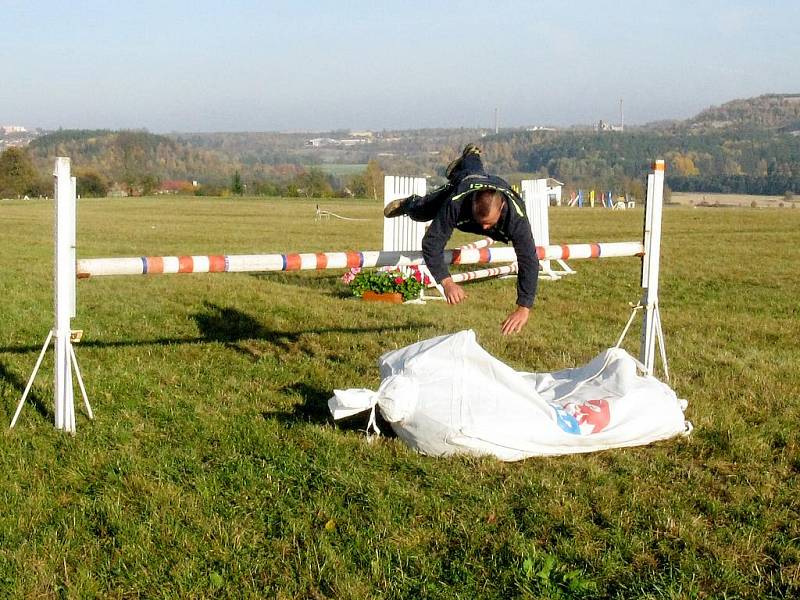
(748, 145)
(212, 158)
(129, 156)
(778, 112)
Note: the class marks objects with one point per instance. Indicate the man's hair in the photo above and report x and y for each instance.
(485, 202)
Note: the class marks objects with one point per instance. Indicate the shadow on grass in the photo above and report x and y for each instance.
(231, 327)
(241, 332)
(314, 410)
(33, 399)
(238, 330)
(325, 282)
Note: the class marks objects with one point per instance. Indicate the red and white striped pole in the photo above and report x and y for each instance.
(484, 273)
(243, 263)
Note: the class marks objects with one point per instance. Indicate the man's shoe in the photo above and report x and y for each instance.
(456, 164)
(471, 149)
(395, 208)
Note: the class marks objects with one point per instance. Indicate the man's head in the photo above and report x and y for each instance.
(487, 206)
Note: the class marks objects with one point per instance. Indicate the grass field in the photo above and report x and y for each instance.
(729, 200)
(213, 470)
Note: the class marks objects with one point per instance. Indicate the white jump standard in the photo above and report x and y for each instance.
(65, 307)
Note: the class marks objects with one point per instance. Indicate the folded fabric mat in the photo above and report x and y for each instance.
(447, 395)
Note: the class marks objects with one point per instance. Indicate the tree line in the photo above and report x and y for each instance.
(20, 177)
(701, 156)
(755, 161)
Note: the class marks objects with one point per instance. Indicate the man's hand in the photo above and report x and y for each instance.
(452, 291)
(516, 320)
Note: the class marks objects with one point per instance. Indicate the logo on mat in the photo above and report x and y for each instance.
(584, 418)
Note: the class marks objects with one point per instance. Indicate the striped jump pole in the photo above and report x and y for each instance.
(460, 277)
(481, 243)
(483, 273)
(248, 263)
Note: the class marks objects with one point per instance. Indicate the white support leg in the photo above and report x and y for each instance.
(32, 377)
(662, 345)
(86, 404)
(565, 268)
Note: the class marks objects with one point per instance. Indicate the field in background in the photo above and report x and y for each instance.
(213, 470)
(737, 200)
(341, 170)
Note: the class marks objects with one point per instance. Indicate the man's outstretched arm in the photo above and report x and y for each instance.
(433, 244)
(527, 263)
(527, 276)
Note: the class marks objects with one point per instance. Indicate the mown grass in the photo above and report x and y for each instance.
(213, 470)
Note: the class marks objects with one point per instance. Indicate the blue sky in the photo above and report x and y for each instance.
(264, 66)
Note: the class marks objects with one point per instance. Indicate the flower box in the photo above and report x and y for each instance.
(390, 297)
(393, 285)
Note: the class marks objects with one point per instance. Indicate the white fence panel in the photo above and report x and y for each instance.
(401, 233)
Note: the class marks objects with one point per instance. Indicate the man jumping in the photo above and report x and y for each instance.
(475, 202)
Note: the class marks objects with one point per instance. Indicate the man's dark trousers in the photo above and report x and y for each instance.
(425, 208)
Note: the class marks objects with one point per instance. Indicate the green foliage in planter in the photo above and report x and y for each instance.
(383, 282)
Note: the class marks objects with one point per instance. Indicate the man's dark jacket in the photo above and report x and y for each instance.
(513, 226)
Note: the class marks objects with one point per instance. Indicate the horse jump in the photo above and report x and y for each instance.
(67, 269)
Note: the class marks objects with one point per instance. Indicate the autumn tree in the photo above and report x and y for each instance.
(374, 176)
(683, 164)
(17, 173)
(357, 184)
(91, 184)
(313, 184)
(236, 184)
(149, 184)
